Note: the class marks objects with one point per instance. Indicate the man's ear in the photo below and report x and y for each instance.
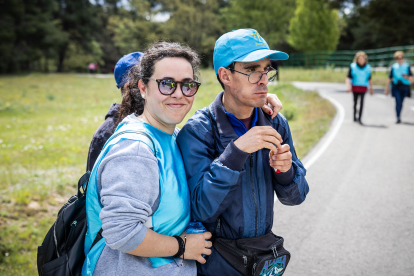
(223, 74)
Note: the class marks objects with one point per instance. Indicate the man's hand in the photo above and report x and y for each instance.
(276, 104)
(259, 137)
(348, 89)
(281, 159)
(386, 92)
(371, 90)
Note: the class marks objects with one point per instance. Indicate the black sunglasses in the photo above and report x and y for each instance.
(167, 86)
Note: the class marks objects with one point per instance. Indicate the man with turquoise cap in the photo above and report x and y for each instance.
(236, 157)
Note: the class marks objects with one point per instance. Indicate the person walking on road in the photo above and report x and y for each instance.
(236, 157)
(358, 81)
(400, 77)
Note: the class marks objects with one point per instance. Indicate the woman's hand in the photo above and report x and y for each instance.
(371, 90)
(196, 245)
(348, 86)
(386, 92)
(275, 103)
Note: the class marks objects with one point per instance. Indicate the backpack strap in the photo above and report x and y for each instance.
(97, 238)
(83, 183)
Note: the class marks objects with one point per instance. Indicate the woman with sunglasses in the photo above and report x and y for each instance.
(138, 192)
(358, 80)
(400, 77)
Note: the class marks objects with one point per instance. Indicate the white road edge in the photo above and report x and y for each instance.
(324, 143)
(329, 136)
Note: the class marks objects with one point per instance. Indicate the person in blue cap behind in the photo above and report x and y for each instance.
(236, 157)
(107, 128)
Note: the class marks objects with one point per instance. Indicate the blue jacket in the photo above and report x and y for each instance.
(233, 194)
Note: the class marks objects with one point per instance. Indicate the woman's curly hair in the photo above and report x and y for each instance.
(132, 102)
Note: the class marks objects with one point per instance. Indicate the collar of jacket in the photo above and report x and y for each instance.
(224, 128)
(238, 126)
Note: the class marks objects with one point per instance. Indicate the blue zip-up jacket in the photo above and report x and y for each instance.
(233, 194)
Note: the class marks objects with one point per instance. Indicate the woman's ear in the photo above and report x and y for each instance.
(142, 88)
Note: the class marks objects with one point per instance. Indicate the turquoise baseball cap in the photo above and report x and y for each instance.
(243, 45)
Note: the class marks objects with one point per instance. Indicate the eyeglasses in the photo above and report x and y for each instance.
(397, 58)
(255, 77)
(167, 86)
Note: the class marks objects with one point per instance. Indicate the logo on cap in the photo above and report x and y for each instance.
(256, 34)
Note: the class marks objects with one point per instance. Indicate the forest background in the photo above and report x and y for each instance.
(64, 36)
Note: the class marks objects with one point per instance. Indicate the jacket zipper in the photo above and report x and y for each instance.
(254, 194)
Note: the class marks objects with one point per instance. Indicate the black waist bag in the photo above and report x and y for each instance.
(257, 256)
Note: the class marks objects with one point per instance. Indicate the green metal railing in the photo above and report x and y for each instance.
(383, 57)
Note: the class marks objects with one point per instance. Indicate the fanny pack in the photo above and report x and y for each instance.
(257, 256)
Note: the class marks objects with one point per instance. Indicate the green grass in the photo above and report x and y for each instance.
(46, 125)
(325, 75)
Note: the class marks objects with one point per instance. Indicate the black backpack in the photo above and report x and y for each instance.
(62, 250)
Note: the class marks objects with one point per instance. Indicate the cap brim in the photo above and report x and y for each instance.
(261, 54)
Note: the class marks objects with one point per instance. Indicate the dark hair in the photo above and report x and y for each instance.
(231, 66)
(132, 102)
(123, 90)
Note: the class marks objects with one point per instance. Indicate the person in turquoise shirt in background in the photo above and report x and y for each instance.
(401, 77)
(358, 80)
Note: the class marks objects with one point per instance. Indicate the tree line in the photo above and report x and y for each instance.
(66, 35)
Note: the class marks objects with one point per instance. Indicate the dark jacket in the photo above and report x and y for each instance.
(102, 135)
(233, 195)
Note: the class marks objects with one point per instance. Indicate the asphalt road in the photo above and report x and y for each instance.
(358, 218)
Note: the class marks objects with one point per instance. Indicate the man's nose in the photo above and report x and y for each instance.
(264, 80)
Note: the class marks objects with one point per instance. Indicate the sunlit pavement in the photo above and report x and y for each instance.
(358, 218)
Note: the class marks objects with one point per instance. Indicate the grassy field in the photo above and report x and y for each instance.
(325, 75)
(46, 125)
